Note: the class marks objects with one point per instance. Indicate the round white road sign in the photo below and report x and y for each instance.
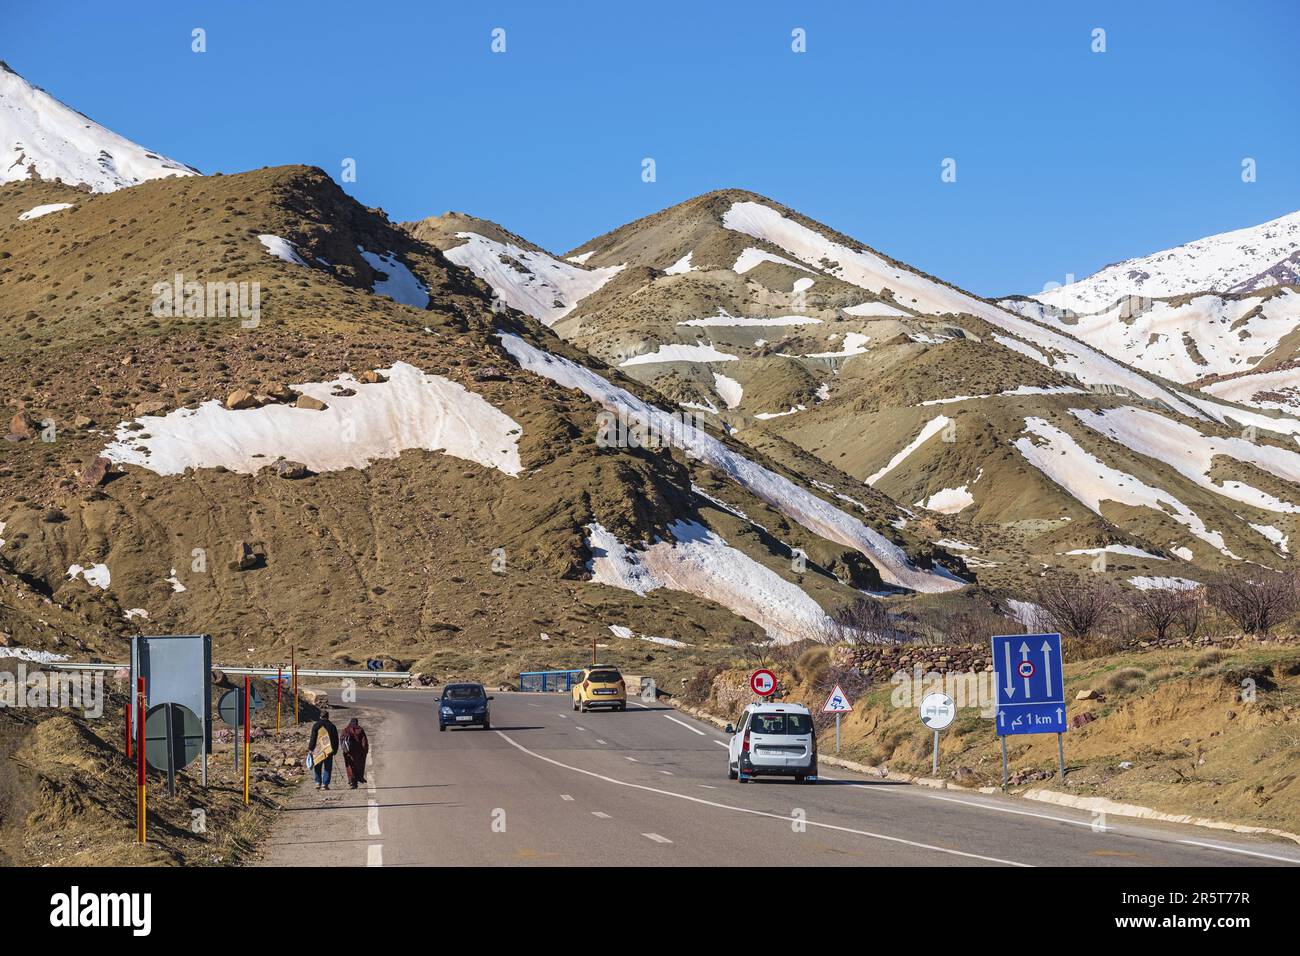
(938, 711)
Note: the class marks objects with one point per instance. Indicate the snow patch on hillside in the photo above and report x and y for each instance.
(876, 310)
(1124, 549)
(400, 283)
(1278, 390)
(1209, 335)
(96, 575)
(1275, 535)
(855, 343)
(681, 266)
(753, 257)
(701, 563)
(725, 320)
(531, 281)
(728, 389)
(795, 502)
(676, 352)
(36, 212)
(410, 410)
(949, 501)
(931, 428)
(1148, 583)
(1192, 454)
(282, 249)
(1091, 481)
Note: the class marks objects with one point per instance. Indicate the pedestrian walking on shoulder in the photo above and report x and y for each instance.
(355, 747)
(322, 748)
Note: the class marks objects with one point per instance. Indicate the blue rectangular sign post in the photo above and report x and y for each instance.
(1030, 689)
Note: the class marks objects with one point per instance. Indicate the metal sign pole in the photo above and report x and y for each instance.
(279, 692)
(239, 722)
(936, 753)
(1004, 763)
(837, 733)
(248, 720)
(141, 799)
(171, 737)
(1060, 752)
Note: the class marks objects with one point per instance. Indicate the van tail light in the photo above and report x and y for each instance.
(744, 743)
(814, 746)
(586, 685)
(621, 683)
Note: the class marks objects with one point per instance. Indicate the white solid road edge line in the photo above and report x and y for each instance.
(694, 730)
(1229, 849)
(757, 813)
(1097, 827)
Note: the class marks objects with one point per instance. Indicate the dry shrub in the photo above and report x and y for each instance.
(1159, 609)
(976, 625)
(864, 619)
(1208, 659)
(1125, 680)
(812, 664)
(1077, 609)
(1087, 648)
(1257, 600)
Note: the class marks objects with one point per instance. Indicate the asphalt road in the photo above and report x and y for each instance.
(649, 787)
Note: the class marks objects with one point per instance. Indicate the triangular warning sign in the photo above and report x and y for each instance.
(838, 702)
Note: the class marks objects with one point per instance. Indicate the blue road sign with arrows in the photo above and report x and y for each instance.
(1030, 685)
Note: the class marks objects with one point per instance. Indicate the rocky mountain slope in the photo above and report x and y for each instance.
(1012, 441)
(41, 138)
(247, 405)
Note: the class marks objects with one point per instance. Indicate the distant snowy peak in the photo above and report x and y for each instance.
(42, 138)
(1243, 260)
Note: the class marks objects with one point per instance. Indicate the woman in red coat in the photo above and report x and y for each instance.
(355, 747)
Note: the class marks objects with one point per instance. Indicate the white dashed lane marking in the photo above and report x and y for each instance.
(682, 723)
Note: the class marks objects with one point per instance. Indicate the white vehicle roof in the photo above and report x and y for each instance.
(778, 707)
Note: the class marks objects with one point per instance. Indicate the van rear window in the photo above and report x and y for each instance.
(781, 725)
(604, 677)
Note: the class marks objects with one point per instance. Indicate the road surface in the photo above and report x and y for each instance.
(648, 787)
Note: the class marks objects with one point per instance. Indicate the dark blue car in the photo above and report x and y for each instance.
(464, 705)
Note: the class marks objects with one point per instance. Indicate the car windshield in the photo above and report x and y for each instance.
(463, 692)
(603, 677)
(781, 725)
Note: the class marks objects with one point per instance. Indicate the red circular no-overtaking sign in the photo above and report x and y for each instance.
(762, 682)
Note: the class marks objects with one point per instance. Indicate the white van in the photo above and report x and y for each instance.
(776, 740)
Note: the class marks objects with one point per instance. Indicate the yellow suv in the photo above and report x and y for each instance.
(600, 686)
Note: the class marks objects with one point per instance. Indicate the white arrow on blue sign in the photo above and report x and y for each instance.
(1030, 684)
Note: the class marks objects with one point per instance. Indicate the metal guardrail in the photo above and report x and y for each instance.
(241, 671)
(547, 681)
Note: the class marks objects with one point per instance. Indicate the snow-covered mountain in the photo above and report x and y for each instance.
(1244, 260)
(1213, 308)
(41, 138)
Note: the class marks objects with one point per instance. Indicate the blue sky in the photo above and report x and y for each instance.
(1066, 159)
